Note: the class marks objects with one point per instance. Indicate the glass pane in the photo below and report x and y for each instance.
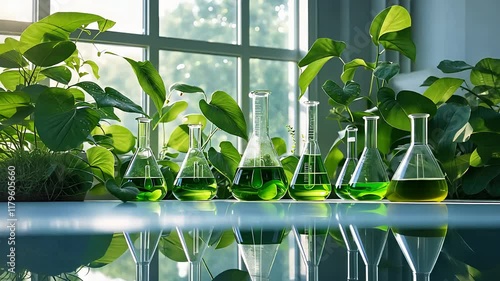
(211, 73)
(18, 10)
(279, 78)
(206, 20)
(272, 23)
(128, 14)
(115, 72)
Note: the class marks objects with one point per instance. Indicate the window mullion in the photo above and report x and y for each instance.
(244, 61)
(41, 9)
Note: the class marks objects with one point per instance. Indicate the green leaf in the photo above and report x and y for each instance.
(110, 97)
(11, 79)
(50, 53)
(455, 168)
(225, 113)
(442, 89)
(444, 127)
(127, 192)
(12, 59)
(94, 67)
(332, 161)
(116, 249)
(386, 70)
(169, 113)
(429, 81)
(395, 109)
(60, 124)
(102, 162)
(226, 238)
(150, 81)
(279, 145)
(171, 247)
(449, 66)
(58, 27)
(227, 160)
(289, 164)
(308, 74)
(123, 140)
(195, 119)
(340, 95)
(486, 72)
(487, 94)
(232, 275)
(391, 19)
(350, 69)
(179, 138)
(485, 120)
(185, 88)
(487, 151)
(78, 94)
(11, 102)
(59, 74)
(400, 41)
(477, 179)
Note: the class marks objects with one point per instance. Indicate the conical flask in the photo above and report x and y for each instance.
(352, 248)
(143, 170)
(310, 180)
(195, 180)
(342, 183)
(260, 175)
(418, 176)
(369, 180)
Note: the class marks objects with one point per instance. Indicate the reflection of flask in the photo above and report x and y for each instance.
(352, 248)
(418, 176)
(260, 175)
(310, 180)
(369, 180)
(143, 170)
(351, 160)
(195, 180)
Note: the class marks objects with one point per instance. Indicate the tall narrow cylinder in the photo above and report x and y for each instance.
(260, 108)
(419, 128)
(351, 142)
(194, 136)
(143, 132)
(142, 271)
(313, 273)
(421, 276)
(195, 271)
(352, 265)
(372, 272)
(371, 131)
(312, 119)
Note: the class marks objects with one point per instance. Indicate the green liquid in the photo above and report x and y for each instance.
(342, 191)
(150, 189)
(259, 183)
(311, 182)
(417, 190)
(368, 190)
(259, 236)
(195, 188)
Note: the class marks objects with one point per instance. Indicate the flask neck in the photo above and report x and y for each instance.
(194, 136)
(351, 143)
(371, 131)
(419, 129)
(260, 107)
(143, 133)
(312, 119)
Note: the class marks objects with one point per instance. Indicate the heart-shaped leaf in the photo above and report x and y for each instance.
(429, 81)
(279, 145)
(224, 112)
(102, 162)
(449, 66)
(400, 41)
(94, 67)
(340, 95)
(185, 88)
(456, 167)
(60, 124)
(386, 70)
(195, 119)
(179, 138)
(126, 192)
(171, 247)
(233, 275)
(12, 59)
(484, 119)
(50, 53)
(169, 113)
(59, 74)
(116, 248)
(227, 160)
(122, 139)
(391, 19)
(395, 109)
(11, 102)
(351, 67)
(442, 89)
(486, 72)
(487, 151)
(289, 164)
(477, 179)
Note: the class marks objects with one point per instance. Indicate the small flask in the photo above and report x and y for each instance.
(310, 180)
(369, 180)
(260, 175)
(195, 180)
(351, 160)
(143, 171)
(418, 176)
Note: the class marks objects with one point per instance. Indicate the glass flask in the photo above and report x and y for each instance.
(143, 171)
(310, 180)
(195, 180)
(418, 176)
(351, 160)
(369, 180)
(260, 175)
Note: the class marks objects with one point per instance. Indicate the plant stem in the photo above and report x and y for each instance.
(206, 267)
(32, 74)
(477, 96)
(209, 138)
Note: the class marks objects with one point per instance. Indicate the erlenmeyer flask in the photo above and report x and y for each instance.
(310, 180)
(143, 170)
(260, 175)
(369, 180)
(195, 180)
(352, 248)
(351, 160)
(418, 176)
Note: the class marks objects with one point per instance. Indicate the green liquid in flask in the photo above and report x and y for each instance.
(426, 189)
(195, 188)
(259, 183)
(311, 182)
(150, 189)
(342, 191)
(368, 190)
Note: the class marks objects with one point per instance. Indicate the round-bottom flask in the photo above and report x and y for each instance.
(418, 176)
